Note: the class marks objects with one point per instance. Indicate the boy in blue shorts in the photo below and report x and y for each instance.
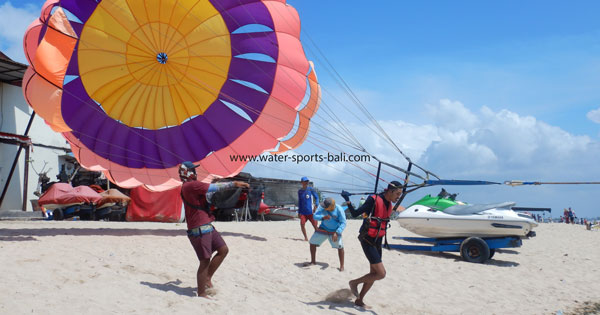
(333, 223)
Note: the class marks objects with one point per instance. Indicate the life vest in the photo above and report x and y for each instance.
(379, 218)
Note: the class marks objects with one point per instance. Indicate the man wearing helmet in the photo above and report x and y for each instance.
(203, 236)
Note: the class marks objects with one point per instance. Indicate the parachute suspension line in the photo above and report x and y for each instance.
(356, 100)
(341, 82)
(366, 124)
(331, 190)
(298, 174)
(343, 131)
(356, 165)
(347, 134)
(520, 183)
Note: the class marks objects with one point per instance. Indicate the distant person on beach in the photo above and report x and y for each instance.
(378, 209)
(571, 216)
(203, 236)
(333, 224)
(306, 198)
(566, 215)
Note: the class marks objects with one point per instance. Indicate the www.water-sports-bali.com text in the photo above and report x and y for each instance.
(301, 158)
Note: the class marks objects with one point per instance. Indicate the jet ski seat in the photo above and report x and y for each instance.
(472, 209)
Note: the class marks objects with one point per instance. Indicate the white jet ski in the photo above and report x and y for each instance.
(443, 217)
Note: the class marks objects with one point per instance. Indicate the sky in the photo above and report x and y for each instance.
(496, 91)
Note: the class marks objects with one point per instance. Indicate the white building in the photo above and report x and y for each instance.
(47, 151)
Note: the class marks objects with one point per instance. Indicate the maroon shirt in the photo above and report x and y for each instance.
(194, 192)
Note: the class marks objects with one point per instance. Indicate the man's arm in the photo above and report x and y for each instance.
(319, 214)
(342, 219)
(316, 198)
(365, 208)
(222, 186)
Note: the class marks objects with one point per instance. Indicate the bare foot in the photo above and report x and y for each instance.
(209, 283)
(306, 264)
(204, 295)
(353, 288)
(360, 303)
(341, 268)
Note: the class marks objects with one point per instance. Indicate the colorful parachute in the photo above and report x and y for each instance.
(137, 87)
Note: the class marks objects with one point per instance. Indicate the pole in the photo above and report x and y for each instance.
(403, 188)
(26, 178)
(377, 178)
(14, 165)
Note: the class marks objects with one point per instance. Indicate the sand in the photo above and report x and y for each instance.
(74, 267)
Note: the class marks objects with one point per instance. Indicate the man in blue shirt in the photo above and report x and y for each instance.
(333, 223)
(306, 197)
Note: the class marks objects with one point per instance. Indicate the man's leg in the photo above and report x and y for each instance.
(313, 254)
(302, 222)
(215, 262)
(377, 272)
(341, 255)
(201, 277)
(314, 222)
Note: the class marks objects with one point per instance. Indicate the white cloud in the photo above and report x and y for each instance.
(13, 23)
(504, 144)
(451, 115)
(594, 115)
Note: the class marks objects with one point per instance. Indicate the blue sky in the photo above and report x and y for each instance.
(470, 89)
(539, 58)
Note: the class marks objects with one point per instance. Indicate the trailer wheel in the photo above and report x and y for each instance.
(57, 214)
(492, 252)
(474, 250)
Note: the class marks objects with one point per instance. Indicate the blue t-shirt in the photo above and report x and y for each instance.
(305, 200)
(336, 222)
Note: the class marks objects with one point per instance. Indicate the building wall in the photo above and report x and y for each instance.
(14, 116)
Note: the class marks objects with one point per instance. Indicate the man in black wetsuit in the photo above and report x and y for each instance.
(378, 209)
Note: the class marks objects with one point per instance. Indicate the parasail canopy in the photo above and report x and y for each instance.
(137, 87)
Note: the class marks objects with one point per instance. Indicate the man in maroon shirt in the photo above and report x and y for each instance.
(202, 234)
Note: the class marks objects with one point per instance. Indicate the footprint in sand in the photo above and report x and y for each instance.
(340, 296)
(211, 291)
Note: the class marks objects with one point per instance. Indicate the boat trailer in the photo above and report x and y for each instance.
(472, 249)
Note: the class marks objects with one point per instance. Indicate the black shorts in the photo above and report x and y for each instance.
(372, 249)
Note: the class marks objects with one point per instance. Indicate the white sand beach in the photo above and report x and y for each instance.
(80, 267)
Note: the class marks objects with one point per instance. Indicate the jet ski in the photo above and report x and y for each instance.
(442, 216)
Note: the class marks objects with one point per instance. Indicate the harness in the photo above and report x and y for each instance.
(206, 209)
(203, 229)
(377, 221)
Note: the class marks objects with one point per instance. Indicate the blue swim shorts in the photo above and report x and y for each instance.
(318, 239)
